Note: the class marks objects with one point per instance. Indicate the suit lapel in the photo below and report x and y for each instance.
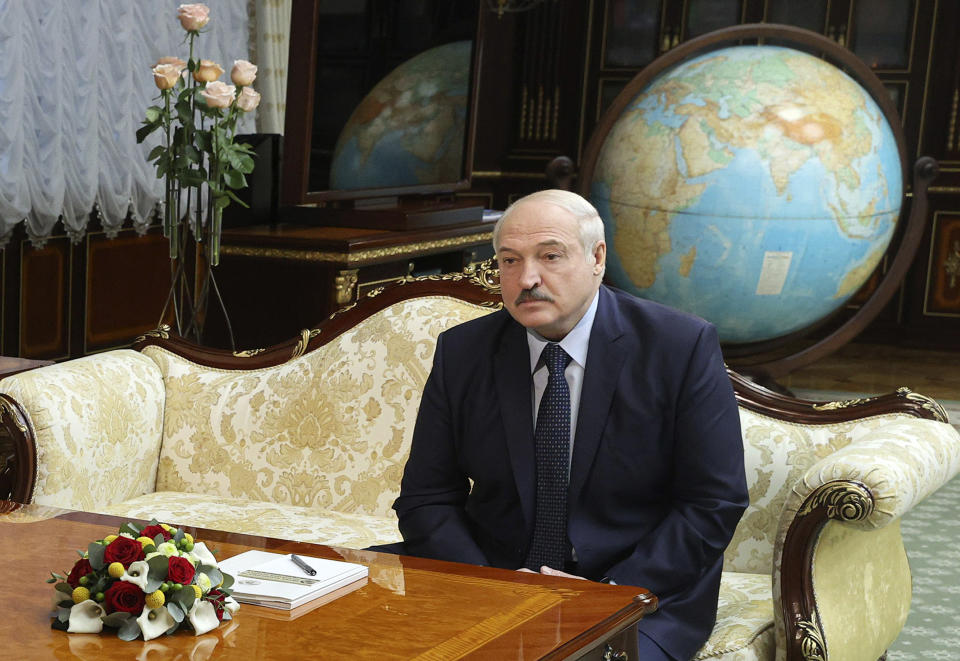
(512, 375)
(604, 361)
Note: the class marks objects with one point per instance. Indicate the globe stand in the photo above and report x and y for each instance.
(765, 361)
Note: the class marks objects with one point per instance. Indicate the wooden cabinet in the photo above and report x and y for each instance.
(277, 280)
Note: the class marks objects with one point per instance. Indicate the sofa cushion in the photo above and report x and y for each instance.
(330, 429)
(301, 524)
(744, 629)
(100, 417)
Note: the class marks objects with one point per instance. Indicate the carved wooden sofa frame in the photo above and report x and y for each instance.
(828, 527)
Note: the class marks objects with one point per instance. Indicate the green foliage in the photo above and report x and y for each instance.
(183, 598)
(129, 630)
(116, 619)
(131, 529)
(95, 555)
(158, 568)
(175, 611)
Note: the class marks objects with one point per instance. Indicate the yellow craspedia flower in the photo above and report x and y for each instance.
(109, 538)
(155, 599)
(145, 541)
(166, 527)
(187, 536)
(197, 591)
(80, 593)
(115, 569)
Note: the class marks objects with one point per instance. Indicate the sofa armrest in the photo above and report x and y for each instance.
(85, 432)
(841, 578)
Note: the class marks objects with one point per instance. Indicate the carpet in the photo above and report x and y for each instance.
(931, 534)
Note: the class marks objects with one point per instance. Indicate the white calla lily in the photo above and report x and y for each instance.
(203, 617)
(154, 622)
(230, 605)
(85, 617)
(136, 573)
(203, 554)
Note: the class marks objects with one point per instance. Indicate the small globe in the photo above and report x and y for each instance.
(409, 130)
(757, 187)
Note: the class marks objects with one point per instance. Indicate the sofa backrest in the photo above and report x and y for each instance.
(328, 429)
(99, 416)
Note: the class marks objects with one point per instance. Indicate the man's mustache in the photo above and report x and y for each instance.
(533, 294)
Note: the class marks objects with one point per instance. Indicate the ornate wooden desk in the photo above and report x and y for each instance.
(410, 607)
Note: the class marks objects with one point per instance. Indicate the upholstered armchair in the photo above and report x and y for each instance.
(829, 483)
(307, 440)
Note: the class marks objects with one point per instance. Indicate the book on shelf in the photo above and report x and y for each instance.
(277, 580)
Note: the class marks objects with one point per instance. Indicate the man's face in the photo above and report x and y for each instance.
(546, 280)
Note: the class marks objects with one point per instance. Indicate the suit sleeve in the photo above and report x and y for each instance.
(708, 493)
(434, 490)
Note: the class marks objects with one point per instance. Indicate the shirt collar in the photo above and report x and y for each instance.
(575, 343)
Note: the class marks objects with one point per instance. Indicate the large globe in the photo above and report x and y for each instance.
(409, 130)
(755, 186)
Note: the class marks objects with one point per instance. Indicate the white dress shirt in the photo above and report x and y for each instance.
(576, 343)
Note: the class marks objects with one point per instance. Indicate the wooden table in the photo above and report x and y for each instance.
(410, 607)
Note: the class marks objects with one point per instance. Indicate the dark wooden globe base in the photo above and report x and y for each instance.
(768, 360)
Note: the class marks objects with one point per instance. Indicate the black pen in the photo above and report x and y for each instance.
(310, 571)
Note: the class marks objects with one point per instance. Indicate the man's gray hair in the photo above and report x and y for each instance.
(589, 221)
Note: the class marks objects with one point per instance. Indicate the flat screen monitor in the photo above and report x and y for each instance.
(380, 99)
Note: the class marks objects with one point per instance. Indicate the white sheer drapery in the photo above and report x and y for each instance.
(271, 27)
(75, 82)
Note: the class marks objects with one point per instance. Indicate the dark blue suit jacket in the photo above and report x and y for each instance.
(657, 478)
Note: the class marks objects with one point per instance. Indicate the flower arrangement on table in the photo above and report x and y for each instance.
(143, 580)
(198, 159)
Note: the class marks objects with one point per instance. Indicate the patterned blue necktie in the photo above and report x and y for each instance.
(552, 446)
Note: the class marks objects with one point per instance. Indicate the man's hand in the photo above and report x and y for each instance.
(547, 571)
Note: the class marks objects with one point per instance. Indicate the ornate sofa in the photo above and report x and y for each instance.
(307, 440)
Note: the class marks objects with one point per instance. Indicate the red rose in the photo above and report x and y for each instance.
(124, 596)
(217, 598)
(81, 569)
(153, 531)
(123, 550)
(179, 570)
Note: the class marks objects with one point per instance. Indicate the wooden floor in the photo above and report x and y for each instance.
(875, 369)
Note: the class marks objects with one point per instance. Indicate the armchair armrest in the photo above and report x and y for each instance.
(841, 578)
(84, 432)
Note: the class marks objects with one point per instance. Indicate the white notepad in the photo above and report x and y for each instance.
(274, 580)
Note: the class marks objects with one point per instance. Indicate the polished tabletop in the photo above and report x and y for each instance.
(410, 608)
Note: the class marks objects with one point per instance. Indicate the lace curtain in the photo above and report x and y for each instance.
(75, 82)
(270, 22)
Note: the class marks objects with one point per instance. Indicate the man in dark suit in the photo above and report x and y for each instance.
(619, 460)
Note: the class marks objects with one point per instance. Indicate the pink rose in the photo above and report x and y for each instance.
(193, 17)
(218, 94)
(248, 99)
(243, 72)
(207, 71)
(175, 61)
(165, 76)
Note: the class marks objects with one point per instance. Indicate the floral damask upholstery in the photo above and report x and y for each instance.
(259, 517)
(330, 429)
(97, 423)
(899, 458)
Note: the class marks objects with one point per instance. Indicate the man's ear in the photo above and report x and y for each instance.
(600, 257)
